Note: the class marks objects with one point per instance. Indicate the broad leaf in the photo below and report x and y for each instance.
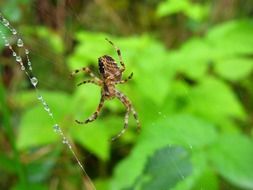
(165, 169)
(232, 157)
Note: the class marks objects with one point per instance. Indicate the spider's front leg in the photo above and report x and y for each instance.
(86, 70)
(119, 54)
(89, 81)
(95, 114)
(125, 80)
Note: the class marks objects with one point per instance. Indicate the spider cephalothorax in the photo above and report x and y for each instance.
(111, 75)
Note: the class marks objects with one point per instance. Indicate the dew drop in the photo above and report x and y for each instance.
(29, 63)
(50, 114)
(26, 51)
(20, 43)
(30, 68)
(40, 97)
(56, 128)
(14, 32)
(18, 59)
(5, 22)
(14, 54)
(34, 81)
(22, 67)
(65, 141)
(46, 107)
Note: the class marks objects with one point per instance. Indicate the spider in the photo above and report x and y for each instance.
(111, 75)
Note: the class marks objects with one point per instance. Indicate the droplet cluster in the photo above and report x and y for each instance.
(34, 81)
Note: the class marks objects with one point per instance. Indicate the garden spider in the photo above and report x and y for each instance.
(110, 76)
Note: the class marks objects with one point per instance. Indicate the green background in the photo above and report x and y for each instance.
(192, 88)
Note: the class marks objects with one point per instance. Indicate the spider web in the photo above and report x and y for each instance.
(17, 54)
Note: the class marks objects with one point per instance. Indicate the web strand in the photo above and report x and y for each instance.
(34, 81)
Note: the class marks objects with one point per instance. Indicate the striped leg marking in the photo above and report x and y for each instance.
(86, 70)
(125, 126)
(95, 114)
(88, 81)
(124, 81)
(136, 119)
(119, 54)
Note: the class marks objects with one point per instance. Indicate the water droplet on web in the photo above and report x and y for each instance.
(26, 51)
(5, 22)
(65, 141)
(34, 81)
(56, 128)
(20, 43)
(46, 108)
(14, 32)
(18, 59)
(14, 54)
(50, 114)
(22, 67)
(30, 68)
(40, 97)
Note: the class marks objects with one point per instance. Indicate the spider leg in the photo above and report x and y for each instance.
(119, 54)
(95, 114)
(124, 81)
(125, 126)
(88, 81)
(129, 107)
(136, 119)
(86, 70)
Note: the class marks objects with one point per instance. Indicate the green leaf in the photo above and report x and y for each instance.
(192, 59)
(182, 130)
(50, 37)
(36, 127)
(207, 180)
(234, 68)
(172, 6)
(166, 168)
(214, 100)
(91, 46)
(232, 157)
(94, 137)
(234, 37)
(194, 11)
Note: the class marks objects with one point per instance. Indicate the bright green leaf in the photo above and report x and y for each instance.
(234, 68)
(179, 129)
(232, 157)
(162, 169)
(214, 99)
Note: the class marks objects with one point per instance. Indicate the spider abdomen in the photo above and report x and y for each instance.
(108, 68)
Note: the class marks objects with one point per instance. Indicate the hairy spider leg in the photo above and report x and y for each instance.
(119, 54)
(88, 81)
(125, 125)
(86, 70)
(136, 119)
(95, 114)
(124, 81)
(129, 107)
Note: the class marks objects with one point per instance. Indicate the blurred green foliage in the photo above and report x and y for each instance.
(194, 100)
